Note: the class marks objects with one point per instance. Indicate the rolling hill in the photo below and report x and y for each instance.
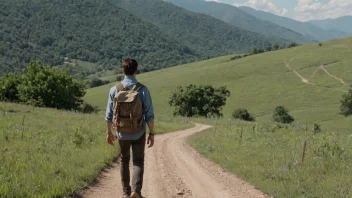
(342, 23)
(307, 29)
(204, 34)
(88, 30)
(262, 82)
(235, 16)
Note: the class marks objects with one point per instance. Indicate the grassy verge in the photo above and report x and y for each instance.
(51, 153)
(270, 157)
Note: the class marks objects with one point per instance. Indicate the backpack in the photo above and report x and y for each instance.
(128, 109)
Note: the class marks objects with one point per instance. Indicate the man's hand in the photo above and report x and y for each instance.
(110, 138)
(150, 141)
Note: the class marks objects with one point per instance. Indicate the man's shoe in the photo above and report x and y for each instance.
(135, 195)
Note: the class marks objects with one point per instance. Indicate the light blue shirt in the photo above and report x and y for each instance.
(147, 108)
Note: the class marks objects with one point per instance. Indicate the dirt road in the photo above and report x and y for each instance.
(174, 170)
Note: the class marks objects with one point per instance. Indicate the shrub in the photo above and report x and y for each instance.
(8, 87)
(255, 51)
(320, 44)
(281, 115)
(242, 114)
(269, 48)
(88, 108)
(316, 128)
(203, 100)
(236, 57)
(293, 44)
(119, 78)
(346, 103)
(50, 87)
(96, 82)
(276, 46)
(260, 51)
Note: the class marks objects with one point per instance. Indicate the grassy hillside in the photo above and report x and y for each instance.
(206, 35)
(305, 28)
(266, 154)
(262, 82)
(235, 16)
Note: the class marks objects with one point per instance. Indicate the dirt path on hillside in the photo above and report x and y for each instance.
(174, 170)
(332, 76)
(298, 74)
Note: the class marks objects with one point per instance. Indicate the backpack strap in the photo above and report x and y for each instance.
(137, 86)
(119, 87)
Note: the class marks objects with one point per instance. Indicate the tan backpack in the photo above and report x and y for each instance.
(128, 109)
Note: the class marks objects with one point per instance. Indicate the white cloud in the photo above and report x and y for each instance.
(265, 5)
(313, 9)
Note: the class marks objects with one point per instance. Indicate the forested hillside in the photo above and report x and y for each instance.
(88, 30)
(207, 35)
(235, 16)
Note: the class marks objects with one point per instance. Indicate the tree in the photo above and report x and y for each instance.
(276, 46)
(242, 114)
(260, 51)
(50, 87)
(8, 87)
(293, 44)
(346, 103)
(203, 100)
(255, 51)
(269, 48)
(281, 115)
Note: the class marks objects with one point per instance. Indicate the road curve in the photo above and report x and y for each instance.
(174, 170)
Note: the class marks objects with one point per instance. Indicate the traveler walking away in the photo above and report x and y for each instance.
(128, 111)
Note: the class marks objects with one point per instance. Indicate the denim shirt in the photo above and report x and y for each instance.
(147, 108)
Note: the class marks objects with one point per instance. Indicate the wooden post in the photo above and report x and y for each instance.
(24, 116)
(304, 152)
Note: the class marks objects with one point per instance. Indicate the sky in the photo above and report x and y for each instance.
(302, 10)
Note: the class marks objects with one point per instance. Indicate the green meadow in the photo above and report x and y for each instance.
(51, 153)
(309, 80)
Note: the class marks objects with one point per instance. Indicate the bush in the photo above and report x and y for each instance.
(346, 103)
(119, 78)
(203, 100)
(236, 57)
(242, 114)
(8, 87)
(260, 51)
(316, 128)
(292, 45)
(50, 87)
(96, 82)
(281, 115)
(88, 108)
(320, 44)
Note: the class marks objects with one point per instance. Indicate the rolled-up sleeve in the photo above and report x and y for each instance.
(147, 105)
(109, 107)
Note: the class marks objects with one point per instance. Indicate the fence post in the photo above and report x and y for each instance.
(304, 152)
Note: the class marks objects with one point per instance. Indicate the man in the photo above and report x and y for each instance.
(135, 140)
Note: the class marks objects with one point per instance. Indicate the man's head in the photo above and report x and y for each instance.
(129, 67)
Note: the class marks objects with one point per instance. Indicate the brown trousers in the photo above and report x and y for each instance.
(138, 147)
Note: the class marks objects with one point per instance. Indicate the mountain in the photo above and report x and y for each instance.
(307, 29)
(204, 34)
(342, 24)
(88, 30)
(235, 16)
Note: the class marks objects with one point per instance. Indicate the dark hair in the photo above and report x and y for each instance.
(129, 66)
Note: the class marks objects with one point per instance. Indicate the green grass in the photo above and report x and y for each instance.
(262, 82)
(269, 156)
(49, 153)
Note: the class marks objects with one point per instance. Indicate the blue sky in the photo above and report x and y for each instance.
(302, 10)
